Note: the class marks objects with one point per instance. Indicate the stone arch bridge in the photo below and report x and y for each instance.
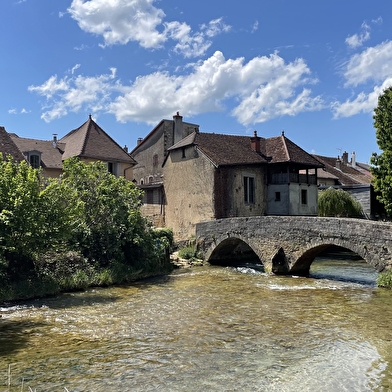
(289, 244)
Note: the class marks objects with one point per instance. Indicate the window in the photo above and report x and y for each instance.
(249, 190)
(155, 160)
(34, 160)
(112, 168)
(183, 152)
(304, 196)
(277, 196)
(150, 196)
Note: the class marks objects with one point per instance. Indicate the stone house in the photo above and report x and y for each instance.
(89, 142)
(353, 177)
(204, 176)
(212, 176)
(149, 154)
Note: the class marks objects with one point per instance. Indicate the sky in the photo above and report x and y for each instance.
(313, 69)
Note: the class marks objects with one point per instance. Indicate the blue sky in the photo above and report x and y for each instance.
(313, 69)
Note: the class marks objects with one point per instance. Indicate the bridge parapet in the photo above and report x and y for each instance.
(289, 244)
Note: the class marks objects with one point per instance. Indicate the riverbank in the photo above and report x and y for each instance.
(73, 273)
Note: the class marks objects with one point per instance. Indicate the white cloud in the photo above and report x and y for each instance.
(357, 40)
(362, 103)
(373, 63)
(264, 88)
(75, 93)
(123, 21)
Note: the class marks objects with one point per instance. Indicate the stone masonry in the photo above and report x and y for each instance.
(289, 244)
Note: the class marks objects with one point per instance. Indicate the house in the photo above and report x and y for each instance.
(149, 155)
(206, 176)
(89, 142)
(226, 176)
(353, 177)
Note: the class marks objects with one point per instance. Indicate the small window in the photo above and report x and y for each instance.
(304, 196)
(277, 196)
(35, 161)
(249, 190)
(112, 168)
(155, 160)
(150, 179)
(150, 196)
(183, 152)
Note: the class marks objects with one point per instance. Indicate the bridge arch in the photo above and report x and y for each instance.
(289, 244)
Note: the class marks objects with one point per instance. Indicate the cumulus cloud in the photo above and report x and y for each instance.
(373, 65)
(74, 93)
(123, 21)
(264, 88)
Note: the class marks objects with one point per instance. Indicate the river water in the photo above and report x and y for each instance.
(207, 329)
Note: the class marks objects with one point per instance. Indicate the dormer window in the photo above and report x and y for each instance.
(34, 158)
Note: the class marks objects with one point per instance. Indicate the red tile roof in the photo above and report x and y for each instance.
(8, 147)
(236, 150)
(50, 153)
(91, 141)
(347, 175)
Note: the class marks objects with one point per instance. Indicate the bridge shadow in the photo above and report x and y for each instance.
(341, 264)
(235, 252)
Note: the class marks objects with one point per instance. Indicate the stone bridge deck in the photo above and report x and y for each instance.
(289, 244)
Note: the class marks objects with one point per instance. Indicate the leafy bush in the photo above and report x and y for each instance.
(384, 279)
(338, 203)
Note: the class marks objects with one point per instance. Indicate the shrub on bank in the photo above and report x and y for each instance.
(384, 279)
(82, 229)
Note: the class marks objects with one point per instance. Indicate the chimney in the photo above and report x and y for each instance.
(54, 140)
(338, 164)
(353, 159)
(178, 128)
(139, 140)
(345, 158)
(125, 148)
(255, 142)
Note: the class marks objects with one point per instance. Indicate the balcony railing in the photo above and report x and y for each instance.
(286, 178)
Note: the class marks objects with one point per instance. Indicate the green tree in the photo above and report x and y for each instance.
(382, 163)
(110, 225)
(30, 218)
(337, 202)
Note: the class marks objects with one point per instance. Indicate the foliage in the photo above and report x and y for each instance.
(337, 202)
(31, 220)
(382, 163)
(110, 225)
(384, 279)
(188, 253)
(82, 229)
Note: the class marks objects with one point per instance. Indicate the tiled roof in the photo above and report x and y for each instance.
(282, 150)
(235, 150)
(223, 149)
(91, 141)
(347, 175)
(50, 153)
(8, 147)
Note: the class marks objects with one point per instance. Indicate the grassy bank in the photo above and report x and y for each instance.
(71, 272)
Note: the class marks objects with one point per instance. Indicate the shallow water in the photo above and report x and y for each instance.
(207, 329)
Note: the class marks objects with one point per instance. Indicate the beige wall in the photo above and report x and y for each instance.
(189, 191)
(296, 206)
(231, 192)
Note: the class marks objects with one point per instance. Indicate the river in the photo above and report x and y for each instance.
(207, 329)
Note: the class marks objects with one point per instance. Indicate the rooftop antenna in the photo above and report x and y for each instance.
(340, 151)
